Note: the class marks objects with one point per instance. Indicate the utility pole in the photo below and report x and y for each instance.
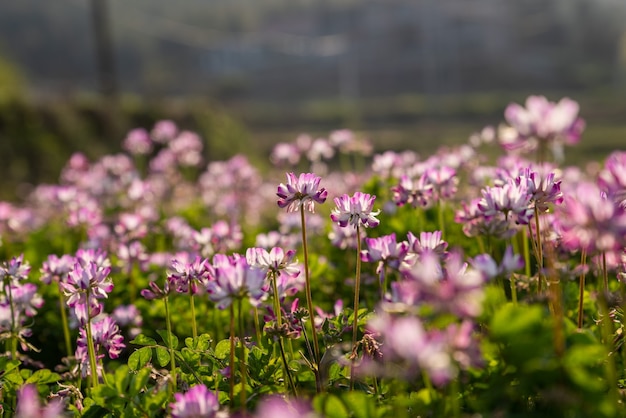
(104, 48)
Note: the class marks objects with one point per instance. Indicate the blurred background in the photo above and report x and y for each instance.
(76, 75)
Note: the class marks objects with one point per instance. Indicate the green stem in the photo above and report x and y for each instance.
(66, 329)
(440, 213)
(357, 286)
(525, 244)
(284, 358)
(513, 289)
(454, 396)
(581, 288)
(13, 339)
(309, 301)
(194, 329)
(232, 356)
(92, 352)
(609, 364)
(168, 323)
(257, 328)
(539, 247)
(279, 316)
(242, 359)
(605, 274)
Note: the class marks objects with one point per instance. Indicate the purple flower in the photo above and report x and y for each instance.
(29, 405)
(356, 210)
(15, 270)
(187, 148)
(387, 251)
(25, 299)
(106, 335)
(510, 199)
(612, 179)
(85, 284)
(442, 181)
(591, 222)
(490, 269)
(138, 142)
(414, 193)
(278, 407)
(235, 279)
(276, 260)
(183, 275)
(428, 241)
(56, 269)
(344, 237)
(198, 402)
(164, 131)
(155, 292)
(301, 191)
(541, 189)
(543, 121)
(285, 154)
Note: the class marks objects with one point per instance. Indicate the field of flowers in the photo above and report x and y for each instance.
(337, 284)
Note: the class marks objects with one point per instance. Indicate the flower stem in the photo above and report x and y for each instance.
(525, 244)
(168, 323)
(66, 329)
(609, 364)
(309, 301)
(257, 328)
(581, 288)
(605, 275)
(440, 213)
(194, 329)
(13, 339)
(289, 378)
(242, 359)
(92, 352)
(357, 287)
(278, 313)
(231, 392)
(539, 249)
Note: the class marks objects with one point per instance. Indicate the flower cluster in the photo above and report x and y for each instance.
(301, 191)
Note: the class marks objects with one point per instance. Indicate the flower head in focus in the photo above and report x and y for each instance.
(301, 191)
(355, 210)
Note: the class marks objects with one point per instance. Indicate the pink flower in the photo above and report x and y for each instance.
(84, 286)
(56, 269)
(545, 121)
(138, 142)
(29, 405)
(590, 221)
(235, 279)
(428, 241)
(355, 210)
(15, 270)
(301, 191)
(198, 402)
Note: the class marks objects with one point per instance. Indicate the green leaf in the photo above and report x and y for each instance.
(43, 377)
(331, 406)
(140, 358)
(201, 343)
(222, 350)
(163, 356)
(359, 404)
(165, 338)
(95, 411)
(143, 340)
(138, 381)
(121, 378)
(584, 366)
